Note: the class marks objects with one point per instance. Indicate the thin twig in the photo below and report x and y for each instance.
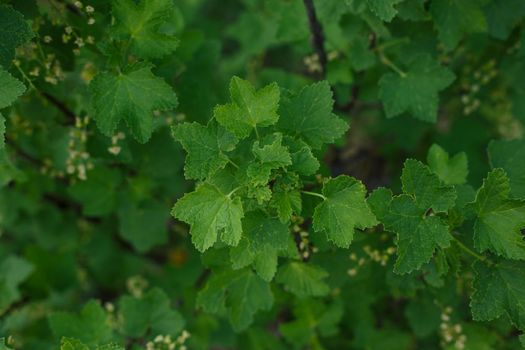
(317, 34)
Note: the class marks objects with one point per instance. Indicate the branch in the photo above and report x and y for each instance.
(61, 106)
(317, 34)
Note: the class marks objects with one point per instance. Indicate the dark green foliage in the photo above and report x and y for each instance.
(262, 174)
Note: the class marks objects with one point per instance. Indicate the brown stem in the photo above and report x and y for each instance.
(317, 34)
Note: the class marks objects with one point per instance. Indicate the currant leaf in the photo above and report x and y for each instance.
(131, 96)
(210, 214)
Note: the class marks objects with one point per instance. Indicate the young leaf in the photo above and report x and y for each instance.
(149, 315)
(206, 147)
(286, 202)
(384, 9)
(499, 289)
(210, 213)
(452, 171)
(303, 279)
(131, 95)
(90, 326)
(498, 218)
(143, 24)
(303, 160)
(308, 115)
(343, 209)
(240, 293)
(72, 344)
(427, 77)
(455, 18)
(263, 238)
(270, 154)
(509, 155)
(14, 31)
(249, 109)
(75, 344)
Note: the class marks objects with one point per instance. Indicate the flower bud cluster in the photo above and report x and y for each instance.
(115, 148)
(78, 161)
(371, 255)
(136, 285)
(312, 63)
(304, 245)
(165, 342)
(451, 333)
(473, 83)
(113, 320)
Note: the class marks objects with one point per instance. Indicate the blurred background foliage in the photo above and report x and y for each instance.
(84, 216)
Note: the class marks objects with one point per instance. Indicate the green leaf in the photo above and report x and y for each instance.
(270, 154)
(455, 18)
(426, 188)
(303, 279)
(110, 346)
(271, 151)
(308, 115)
(423, 316)
(379, 201)
(3, 344)
(72, 344)
(343, 209)
(97, 193)
(263, 238)
(303, 160)
(210, 213)
(503, 16)
(384, 9)
(286, 202)
(2, 133)
(143, 225)
(419, 232)
(14, 31)
(509, 155)
(13, 271)
(498, 218)
(452, 171)
(75, 344)
(418, 235)
(10, 88)
(249, 109)
(90, 326)
(425, 76)
(147, 26)
(313, 318)
(8, 172)
(149, 315)
(240, 294)
(206, 147)
(131, 96)
(499, 289)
